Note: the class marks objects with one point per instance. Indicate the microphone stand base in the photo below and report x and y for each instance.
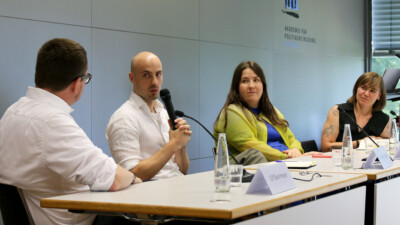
(247, 177)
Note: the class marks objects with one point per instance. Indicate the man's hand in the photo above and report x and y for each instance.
(181, 135)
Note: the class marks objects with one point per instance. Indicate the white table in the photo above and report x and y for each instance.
(326, 165)
(383, 186)
(341, 208)
(194, 196)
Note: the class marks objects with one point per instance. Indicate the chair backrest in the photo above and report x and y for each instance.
(12, 206)
(309, 145)
(390, 79)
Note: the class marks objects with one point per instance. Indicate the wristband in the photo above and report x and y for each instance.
(358, 144)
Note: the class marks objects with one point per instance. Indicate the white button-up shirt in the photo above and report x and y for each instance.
(45, 153)
(134, 133)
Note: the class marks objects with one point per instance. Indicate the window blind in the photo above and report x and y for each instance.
(385, 27)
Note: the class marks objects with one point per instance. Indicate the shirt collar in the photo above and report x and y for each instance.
(141, 103)
(47, 97)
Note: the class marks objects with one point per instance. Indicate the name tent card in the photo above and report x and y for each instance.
(271, 179)
(383, 157)
(397, 155)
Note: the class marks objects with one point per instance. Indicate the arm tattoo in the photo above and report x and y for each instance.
(335, 112)
(329, 131)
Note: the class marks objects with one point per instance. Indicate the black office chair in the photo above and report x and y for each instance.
(12, 206)
(309, 146)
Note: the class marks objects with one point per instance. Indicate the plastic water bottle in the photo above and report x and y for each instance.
(393, 141)
(347, 148)
(221, 171)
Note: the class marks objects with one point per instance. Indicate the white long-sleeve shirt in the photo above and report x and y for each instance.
(45, 153)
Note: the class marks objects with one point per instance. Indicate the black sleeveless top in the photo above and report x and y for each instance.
(374, 127)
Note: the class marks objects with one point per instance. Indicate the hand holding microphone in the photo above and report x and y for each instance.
(181, 124)
(184, 132)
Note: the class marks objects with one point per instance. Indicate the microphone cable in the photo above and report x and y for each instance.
(247, 177)
(362, 130)
(182, 114)
(309, 180)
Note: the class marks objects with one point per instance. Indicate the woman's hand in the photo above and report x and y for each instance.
(313, 153)
(292, 153)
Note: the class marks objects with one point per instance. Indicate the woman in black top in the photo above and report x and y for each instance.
(365, 107)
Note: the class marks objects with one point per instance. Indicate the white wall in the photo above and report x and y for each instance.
(200, 42)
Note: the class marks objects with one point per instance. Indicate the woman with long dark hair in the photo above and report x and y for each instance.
(250, 121)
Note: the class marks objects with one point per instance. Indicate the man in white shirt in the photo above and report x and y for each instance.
(43, 151)
(139, 134)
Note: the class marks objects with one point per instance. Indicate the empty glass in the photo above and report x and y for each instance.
(236, 173)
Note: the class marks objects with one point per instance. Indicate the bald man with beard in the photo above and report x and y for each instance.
(139, 133)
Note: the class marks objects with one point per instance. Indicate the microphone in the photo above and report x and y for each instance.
(393, 113)
(166, 98)
(396, 116)
(362, 130)
(247, 177)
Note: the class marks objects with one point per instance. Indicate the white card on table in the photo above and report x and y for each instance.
(383, 157)
(271, 179)
(397, 155)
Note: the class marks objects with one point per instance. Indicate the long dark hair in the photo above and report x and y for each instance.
(265, 106)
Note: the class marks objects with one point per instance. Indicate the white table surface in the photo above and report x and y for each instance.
(385, 193)
(326, 165)
(193, 196)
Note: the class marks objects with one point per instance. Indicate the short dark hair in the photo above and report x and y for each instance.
(265, 105)
(59, 61)
(371, 79)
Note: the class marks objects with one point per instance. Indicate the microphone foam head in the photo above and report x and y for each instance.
(164, 94)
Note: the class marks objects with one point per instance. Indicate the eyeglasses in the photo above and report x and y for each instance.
(85, 77)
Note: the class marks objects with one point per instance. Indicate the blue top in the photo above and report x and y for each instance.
(274, 138)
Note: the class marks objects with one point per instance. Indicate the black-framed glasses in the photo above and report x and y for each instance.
(85, 77)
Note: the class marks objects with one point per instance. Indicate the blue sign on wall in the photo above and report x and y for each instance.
(291, 4)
